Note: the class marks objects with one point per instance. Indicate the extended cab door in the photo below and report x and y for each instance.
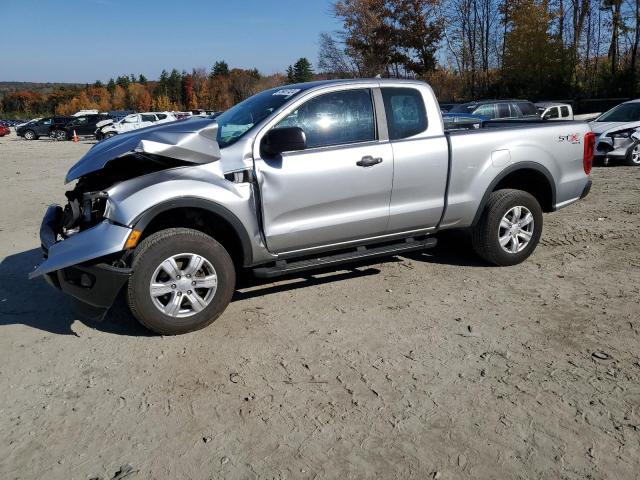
(421, 158)
(337, 189)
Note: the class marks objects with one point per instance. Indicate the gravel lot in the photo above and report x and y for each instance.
(426, 366)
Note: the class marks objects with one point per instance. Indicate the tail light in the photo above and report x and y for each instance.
(589, 149)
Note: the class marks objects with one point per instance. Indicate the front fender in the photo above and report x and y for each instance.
(140, 199)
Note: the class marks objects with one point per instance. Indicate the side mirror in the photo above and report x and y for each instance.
(288, 139)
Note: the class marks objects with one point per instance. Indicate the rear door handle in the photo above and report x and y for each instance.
(368, 161)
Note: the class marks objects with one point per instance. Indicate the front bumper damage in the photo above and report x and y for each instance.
(76, 264)
(613, 149)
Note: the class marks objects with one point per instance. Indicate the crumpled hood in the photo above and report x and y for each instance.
(600, 128)
(191, 141)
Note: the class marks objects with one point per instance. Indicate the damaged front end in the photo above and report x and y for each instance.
(87, 255)
(617, 145)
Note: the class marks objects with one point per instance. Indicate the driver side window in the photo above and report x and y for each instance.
(335, 118)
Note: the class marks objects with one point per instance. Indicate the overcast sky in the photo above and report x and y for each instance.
(88, 40)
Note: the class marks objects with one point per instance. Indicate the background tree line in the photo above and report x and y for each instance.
(491, 48)
(466, 49)
(216, 89)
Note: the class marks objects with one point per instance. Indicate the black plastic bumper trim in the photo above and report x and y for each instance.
(586, 190)
(106, 283)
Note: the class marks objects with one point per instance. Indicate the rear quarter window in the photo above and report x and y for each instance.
(406, 114)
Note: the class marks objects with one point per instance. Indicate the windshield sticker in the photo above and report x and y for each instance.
(287, 92)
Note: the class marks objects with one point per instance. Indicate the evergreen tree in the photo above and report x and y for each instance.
(111, 86)
(220, 68)
(123, 81)
(174, 85)
(291, 76)
(142, 79)
(302, 70)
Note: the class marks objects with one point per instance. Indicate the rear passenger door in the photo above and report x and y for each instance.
(337, 190)
(421, 161)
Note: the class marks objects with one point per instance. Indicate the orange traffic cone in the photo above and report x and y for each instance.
(75, 137)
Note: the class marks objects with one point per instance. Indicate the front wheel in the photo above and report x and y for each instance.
(110, 134)
(633, 158)
(30, 135)
(509, 229)
(182, 281)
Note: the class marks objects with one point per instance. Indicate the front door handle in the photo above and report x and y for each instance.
(368, 161)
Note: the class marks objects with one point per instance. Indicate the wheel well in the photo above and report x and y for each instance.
(532, 181)
(202, 220)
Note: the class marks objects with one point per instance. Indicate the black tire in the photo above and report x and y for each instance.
(110, 134)
(485, 235)
(30, 135)
(60, 135)
(632, 160)
(154, 250)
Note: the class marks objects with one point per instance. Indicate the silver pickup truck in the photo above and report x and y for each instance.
(294, 178)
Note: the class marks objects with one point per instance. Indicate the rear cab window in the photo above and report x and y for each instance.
(405, 110)
(564, 112)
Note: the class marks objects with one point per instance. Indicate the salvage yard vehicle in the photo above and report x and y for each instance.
(134, 121)
(462, 121)
(294, 178)
(499, 109)
(43, 127)
(616, 138)
(554, 111)
(82, 126)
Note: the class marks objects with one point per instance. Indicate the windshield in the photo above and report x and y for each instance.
(463, 108)
(236, 121)
(627, 112)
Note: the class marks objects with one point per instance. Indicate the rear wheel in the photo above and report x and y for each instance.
(60, 135)
(633, 158)
(509, 229)
(182, 281)
(30, 135)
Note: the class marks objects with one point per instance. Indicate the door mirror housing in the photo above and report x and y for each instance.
(279, 140)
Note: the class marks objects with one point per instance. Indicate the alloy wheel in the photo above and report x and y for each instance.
(183, 285)
(516, 229)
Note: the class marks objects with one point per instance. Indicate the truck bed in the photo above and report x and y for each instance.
(554, 149)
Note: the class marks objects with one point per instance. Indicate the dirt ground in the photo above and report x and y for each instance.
(432, 365)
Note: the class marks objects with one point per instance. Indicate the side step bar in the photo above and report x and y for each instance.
(283, 267)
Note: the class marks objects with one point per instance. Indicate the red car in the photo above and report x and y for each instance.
(4, 131)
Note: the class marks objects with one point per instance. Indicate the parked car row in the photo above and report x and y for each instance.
(82, 124)
(617, 131)
(11, 123)
(108, 128)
